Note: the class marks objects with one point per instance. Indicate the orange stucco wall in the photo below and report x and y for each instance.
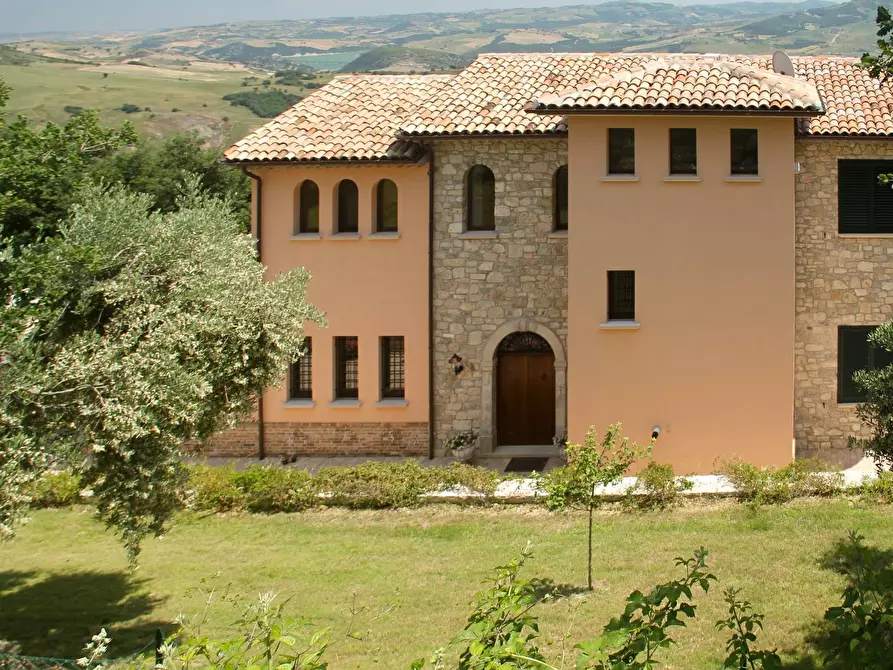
(367, 287)
(712, 362)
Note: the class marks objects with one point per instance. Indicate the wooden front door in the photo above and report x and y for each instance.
(525, 398)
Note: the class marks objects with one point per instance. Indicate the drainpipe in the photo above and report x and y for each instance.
(431, 301)
(258, 219)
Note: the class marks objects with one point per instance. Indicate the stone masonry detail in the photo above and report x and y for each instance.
(840, 281)
(480, 283)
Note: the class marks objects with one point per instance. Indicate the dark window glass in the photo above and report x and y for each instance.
(300, 375)
(865, 205)
(854, 353)
(745, 151)
(347, 367)
(621, 295)
(393, 363)
(559, 193)
(621, 151)
(481, 198)
(386, 207)
(683, 151)
(308, 208)
(348, 207)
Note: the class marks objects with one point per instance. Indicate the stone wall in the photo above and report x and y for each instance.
(841, 280)
(480, 283)
(323, 439)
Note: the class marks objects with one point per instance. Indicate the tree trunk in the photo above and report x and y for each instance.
(590, 547)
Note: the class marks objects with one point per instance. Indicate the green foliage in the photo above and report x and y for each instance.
(459, 441)
(127, 108)
(383, 58)
(743, 624)
(214, 489)
(881, 66)
(275, 489)
(500, 632)
(772, 486)
(131, 333)
(74, 110)
(56, 489)
(656, 487)
(42, 171)
(862, 626)
(878, 490)
(595, 463)
(632, 640)
(877, 411)
(157, 168)
(265, 104)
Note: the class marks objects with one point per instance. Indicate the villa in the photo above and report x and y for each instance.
(696, 246)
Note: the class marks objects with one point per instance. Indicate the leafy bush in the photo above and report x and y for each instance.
(862, 626)
(374, 485)
(461, 475)
(743, 623)
(799, 479)
(877, 412)
(214, 489)
(74, 110)
(266, 104)
(273, 489)
(56, 489)
(127, 108)
(656, 487)
(878, 490)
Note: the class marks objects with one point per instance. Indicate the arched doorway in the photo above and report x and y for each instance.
(525, 390)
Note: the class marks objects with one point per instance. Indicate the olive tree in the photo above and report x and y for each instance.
(125, 335)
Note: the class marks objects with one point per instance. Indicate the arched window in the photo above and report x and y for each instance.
(386, 207)
(559, 197)
(307, 207)
(347, 207)
(480, 196)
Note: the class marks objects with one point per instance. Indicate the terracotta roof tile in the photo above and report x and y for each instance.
(354, 117)
(694, 84)
(376, 117)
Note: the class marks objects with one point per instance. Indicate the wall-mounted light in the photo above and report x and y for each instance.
(456, 362)
(655, 432)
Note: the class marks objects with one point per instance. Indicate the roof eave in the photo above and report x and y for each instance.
(650, 111)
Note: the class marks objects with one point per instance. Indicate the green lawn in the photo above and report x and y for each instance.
(42, 90)
(64, 576)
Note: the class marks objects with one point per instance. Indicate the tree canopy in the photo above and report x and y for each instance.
(881, 65)
(129, 333)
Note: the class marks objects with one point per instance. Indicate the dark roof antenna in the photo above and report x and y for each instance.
(782, 64)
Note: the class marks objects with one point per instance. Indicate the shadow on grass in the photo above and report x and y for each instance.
(873, 572)
(545, 588)
(56, 614)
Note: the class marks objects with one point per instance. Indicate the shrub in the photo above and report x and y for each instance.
(478, 480)
(877, 412)
(266, 104)
(878, 490)
(656, 487)
(56, 489)
(808, 477)
(375, 485)
(214, 489)
(74, 110)
(274, 489)
(127, 108)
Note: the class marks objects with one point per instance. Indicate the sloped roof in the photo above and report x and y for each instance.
(377, 117)
(690, 85)
(354, 117)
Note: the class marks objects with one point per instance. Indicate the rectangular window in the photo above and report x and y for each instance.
(347, 368)
(621, 151)
(683, 151)
(864, 204)
(393, 364)
(300, 374)
(745, 151)
(621, 295)
(854, 353)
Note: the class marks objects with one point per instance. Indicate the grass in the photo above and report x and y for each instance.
(64, 576)
(42, 90)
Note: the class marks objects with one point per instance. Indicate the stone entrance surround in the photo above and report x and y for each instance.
(488, 376)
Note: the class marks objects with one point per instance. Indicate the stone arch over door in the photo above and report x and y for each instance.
(488, 394)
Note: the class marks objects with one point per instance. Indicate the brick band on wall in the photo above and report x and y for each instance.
(323, 439)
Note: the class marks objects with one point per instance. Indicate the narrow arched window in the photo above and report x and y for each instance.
(307, 207)
(347, 207)
(480, 195)
(559, 197)
(386, 207)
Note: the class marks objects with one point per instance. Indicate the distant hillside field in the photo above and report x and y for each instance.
(404, 59)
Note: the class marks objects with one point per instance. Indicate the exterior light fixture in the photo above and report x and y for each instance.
(456, 362)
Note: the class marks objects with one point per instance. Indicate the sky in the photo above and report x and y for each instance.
(29, 16)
